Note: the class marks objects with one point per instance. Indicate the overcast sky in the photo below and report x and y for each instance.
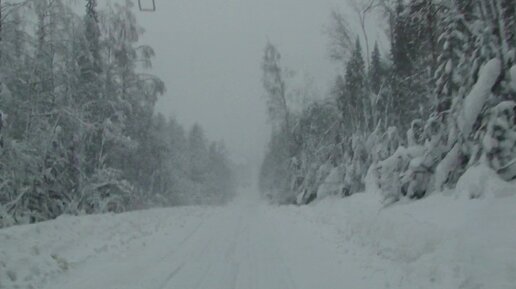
(209, 54)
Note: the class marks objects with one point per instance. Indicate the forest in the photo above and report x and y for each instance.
(436, 108)
(367, 144)
(78, 128)
(79, 132)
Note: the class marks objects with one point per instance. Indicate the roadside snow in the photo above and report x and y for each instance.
(30, 255)
(482, 181)
(438, 242)
(478, 95)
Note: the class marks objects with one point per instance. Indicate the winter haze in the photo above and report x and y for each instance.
(264, 144)
(209, 53)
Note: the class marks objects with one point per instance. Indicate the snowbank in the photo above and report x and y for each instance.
(30, 255)
(437, 242)
(482, 181)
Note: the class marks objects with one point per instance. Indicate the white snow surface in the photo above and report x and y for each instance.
(478, 95)
(512, 72)
(482, 181)
(331, 185)
(438, 242)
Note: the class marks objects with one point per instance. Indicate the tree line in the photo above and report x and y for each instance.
(409, 122)
(78, 131)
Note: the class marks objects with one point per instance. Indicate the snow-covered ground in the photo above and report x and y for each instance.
(438, 242)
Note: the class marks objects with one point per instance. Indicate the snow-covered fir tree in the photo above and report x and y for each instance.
(438, 105)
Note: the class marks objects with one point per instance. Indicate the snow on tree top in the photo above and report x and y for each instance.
(474, 102)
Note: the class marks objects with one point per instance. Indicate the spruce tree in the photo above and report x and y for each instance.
(376, 79)
(447, 76)
(92, 34)
(376, 72)
(509, 16)
(354, 99)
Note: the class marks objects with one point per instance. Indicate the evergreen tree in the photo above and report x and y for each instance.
(376, 73)
(198, 153)
(376, 77)
(354, 102)
(447, 75)
(509, 17)
(92, 64)
(408, 80)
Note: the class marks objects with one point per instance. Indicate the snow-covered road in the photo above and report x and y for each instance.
(439, 242)
(245, 245)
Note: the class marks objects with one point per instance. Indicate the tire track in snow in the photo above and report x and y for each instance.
(183, 242)
(231, 255)
(176, 249)
(171, 275)
(206, 268)
(278, 256)
(228, 257)
(179, 249)
(200, 247)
